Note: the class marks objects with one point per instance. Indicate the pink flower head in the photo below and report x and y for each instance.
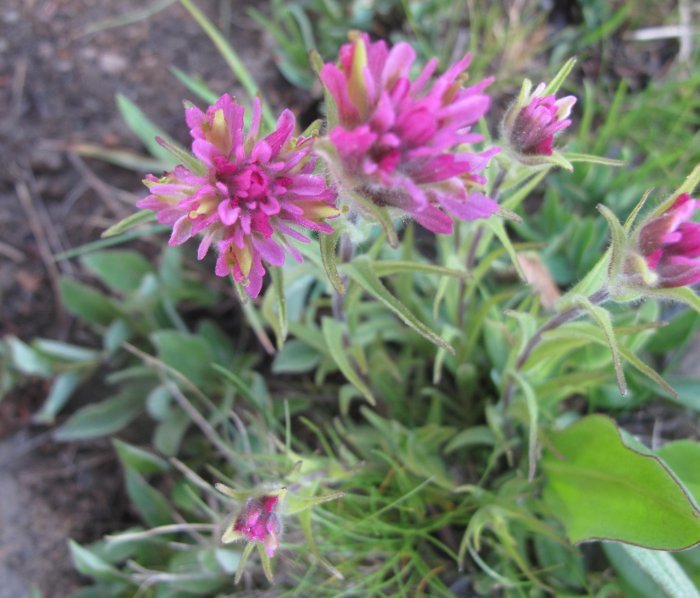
(259, 522)
(243, 194)
(536, 123)
(670, 244)
(396, 140)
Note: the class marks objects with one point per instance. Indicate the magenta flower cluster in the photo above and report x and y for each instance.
(245, 195)
(259, 522)
(670, 244)
(398, 142)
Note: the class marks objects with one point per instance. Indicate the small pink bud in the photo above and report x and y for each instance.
(533, 128)
(260, 522)
(670, 244)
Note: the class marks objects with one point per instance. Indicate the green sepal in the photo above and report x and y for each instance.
(618, 243)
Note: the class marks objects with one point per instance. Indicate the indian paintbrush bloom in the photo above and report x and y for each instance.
(398, 142)
(244, 194)
(670, 245)
(258, 522)
(532, 122)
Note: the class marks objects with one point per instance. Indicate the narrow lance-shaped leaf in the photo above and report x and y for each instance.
(361, 272)
(603, 490)
(281, 327)
(618, 241)
(327, 245)
(128, 223)
(560, 77)
(602, 317)
(334, 333)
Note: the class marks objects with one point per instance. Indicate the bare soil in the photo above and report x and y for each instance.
(57, 87)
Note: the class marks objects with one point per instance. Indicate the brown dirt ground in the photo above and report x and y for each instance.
(57, 87)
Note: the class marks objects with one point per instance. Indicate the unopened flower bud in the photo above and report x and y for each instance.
(259, 521)
(670, 245)
(533, 121)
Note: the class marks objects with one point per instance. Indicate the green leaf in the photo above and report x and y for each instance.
(603, 490)
(327, 244)
(498, 228)
(61, 391)
(27, 360)
(120, 157)
(683, 458)
(295, 357)
(335, 335)
(664, 570)
(234, 62)
(618, 242)
(151, 504)
(121, 270)
(590, 159)
(88, 563)
(144, 129)
(190, 355)
(87, 303)
(103, 418)
(280, 321)
(128, 223)
(389, 267)
(361, 271)
(196, 85)
(560, 77)
(602, 317)
(139, 459)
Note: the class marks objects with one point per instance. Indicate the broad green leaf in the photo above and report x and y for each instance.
(139, 459)
(88, 563)
(294, 358)
(334, 333)
(121, 270)
(129, 222)
(188, 354)
(87, 303)
(683, 457)
(361, 272)
(106, 417)
(170, 432)
(603, 490)
(151, 504)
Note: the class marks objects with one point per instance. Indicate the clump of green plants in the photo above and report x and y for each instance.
(395, 369)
